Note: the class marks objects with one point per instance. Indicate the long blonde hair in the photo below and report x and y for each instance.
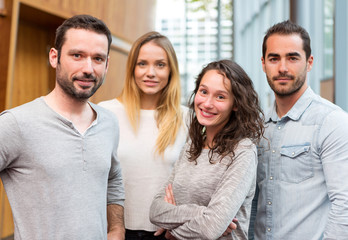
(168, 111)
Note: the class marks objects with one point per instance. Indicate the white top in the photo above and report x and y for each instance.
(144, 172)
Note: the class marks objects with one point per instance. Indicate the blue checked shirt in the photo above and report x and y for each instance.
(302, 176)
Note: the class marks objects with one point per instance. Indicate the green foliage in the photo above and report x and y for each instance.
(207, 5)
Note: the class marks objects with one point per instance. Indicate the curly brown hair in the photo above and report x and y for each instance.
(246, 122)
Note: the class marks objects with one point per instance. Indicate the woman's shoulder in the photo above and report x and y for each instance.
(111, 104)
(184, 108)
(185, 114)
(246, 144)
(114, 106)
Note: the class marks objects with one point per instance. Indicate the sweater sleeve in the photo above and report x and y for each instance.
(160, 210)
(116, 193)
(10, 139)
(189, 221)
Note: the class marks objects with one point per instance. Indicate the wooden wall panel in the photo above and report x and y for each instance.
(327, 89)
(31, 78)
(5, 28)
(6, 219)
(127, 19)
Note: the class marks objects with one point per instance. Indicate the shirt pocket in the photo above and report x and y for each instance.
(296, 164)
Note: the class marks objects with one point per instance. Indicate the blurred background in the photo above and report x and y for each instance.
(201, 31)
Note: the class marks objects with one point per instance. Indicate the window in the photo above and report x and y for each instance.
(205, 29)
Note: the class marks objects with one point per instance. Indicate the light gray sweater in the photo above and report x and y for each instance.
(209, 196)
(59, 181)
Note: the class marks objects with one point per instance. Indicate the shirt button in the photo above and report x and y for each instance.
(279, 127)
(293, 154)
(268, 229)
(273, 151)
(271, 178)
(269, 203)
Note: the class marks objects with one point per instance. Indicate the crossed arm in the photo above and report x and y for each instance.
(169, 198)
(192, 221)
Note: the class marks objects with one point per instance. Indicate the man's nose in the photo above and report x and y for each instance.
(283, 66)
(88, 66)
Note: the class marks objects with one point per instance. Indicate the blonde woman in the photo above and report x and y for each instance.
(152, 127)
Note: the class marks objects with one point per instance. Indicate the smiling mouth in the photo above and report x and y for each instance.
(207, 114)
(85, 83)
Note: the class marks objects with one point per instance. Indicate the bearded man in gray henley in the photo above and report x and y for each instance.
(58, 157)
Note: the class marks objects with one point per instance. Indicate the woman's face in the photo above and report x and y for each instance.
(214, 101)
(152, 70)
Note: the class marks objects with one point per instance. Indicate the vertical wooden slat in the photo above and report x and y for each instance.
(5, 26)
(12, 53)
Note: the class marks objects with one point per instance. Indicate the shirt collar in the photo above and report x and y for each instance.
(96, 112)
(296, 111)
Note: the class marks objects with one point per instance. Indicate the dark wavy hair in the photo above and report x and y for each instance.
(246, 122)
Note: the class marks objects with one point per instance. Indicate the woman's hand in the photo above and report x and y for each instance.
(232, 226)
(169, 197)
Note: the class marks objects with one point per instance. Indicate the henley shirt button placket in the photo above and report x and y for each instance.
(84, 155)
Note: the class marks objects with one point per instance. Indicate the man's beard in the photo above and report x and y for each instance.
(295, 86)
(69, 88)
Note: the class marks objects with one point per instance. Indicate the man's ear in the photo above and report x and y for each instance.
(53, 57)
(107, 64)
(310, 63)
